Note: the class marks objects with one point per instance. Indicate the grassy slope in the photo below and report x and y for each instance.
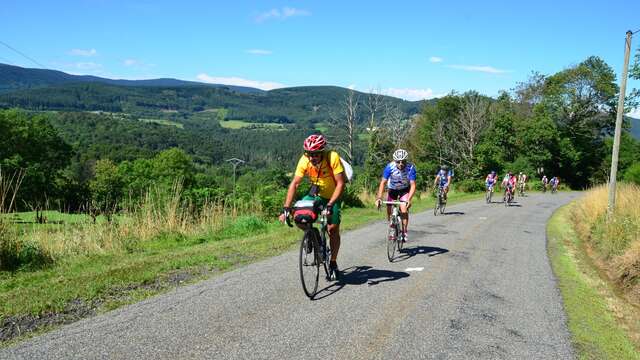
(587, 300)
(108, 281)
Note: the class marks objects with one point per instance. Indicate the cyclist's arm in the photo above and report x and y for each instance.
(448, 181)
(339, 178)
(412, 189)
(435, 182)
(383, 182)
(291, 192)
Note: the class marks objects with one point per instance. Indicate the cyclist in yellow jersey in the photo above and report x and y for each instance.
(326, 174)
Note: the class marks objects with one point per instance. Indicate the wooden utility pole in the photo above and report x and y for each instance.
(616, 136)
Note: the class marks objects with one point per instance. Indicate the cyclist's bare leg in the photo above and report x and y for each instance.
(404, 215)
(389, 208)
(446, 192)
(334, 236)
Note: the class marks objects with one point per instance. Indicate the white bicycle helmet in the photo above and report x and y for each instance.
(400, 154)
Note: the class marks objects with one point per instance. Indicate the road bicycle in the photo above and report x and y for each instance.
(440, 202)
(508, 196)
(314, 249)
(554, 188)
(395, 236)
(489, 194)
(521, 188)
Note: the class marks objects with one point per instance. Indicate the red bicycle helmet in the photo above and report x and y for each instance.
(314, 143)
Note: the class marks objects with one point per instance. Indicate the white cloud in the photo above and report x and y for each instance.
(635, 113)
(435, 59)
(259, 52)
(479, 68)
(281, 14)
(411, 94)
(352, 86)
(233, 80)
(83, 52)
(130, 62)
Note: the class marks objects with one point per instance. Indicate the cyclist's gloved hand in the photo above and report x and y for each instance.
(328, 210)
(408, 204)
(378, 202)
(286, 211)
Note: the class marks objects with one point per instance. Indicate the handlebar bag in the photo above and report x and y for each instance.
(305, 211)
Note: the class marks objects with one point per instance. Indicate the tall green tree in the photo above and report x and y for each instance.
(29, 142)
(581, 101)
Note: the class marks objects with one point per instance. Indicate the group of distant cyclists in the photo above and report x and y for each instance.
(510, 183)
(326, 173)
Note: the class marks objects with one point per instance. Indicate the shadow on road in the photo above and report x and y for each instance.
(360, 275)
(407, 253)
(453, 213)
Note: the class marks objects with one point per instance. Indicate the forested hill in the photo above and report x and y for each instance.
(308, 105)
(17, 78)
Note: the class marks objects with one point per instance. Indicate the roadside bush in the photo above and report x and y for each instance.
(350, 198)
(470, 186)
(632, 174)
(15, 253)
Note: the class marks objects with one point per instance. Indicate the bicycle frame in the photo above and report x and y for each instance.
(396, 221)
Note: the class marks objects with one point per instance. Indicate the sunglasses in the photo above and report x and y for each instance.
(313, 154)
(401, 162)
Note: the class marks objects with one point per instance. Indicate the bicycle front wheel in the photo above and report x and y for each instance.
(437, 205)
(392, 242)
(309, 263)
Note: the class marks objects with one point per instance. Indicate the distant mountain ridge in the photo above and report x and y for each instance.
(14, 78)
(37, 89)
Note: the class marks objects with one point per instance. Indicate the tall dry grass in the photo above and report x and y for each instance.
(159, 213)
(616, 241)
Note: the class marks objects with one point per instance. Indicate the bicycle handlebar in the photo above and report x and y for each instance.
(395, 202)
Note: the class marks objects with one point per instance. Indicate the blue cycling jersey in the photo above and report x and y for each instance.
(444, 176)
(399, 179)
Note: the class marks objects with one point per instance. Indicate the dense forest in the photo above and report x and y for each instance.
(71, 159)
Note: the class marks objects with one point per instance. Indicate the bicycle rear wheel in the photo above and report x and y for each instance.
(309, 263)
(437, 205)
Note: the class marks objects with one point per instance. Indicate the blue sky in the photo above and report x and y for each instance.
(410, 49)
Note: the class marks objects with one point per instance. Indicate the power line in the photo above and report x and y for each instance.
(22, 54)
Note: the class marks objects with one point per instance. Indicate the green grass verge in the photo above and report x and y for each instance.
(594, 330)
(111, 280)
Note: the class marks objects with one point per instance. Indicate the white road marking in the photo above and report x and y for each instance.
(414, 269)
(482, 218)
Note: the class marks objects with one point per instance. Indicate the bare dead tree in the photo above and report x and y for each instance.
(373, 103)
(396, 124)
(471, 122)
(344, 125)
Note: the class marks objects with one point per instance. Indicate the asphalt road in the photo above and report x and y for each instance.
(475, 283)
